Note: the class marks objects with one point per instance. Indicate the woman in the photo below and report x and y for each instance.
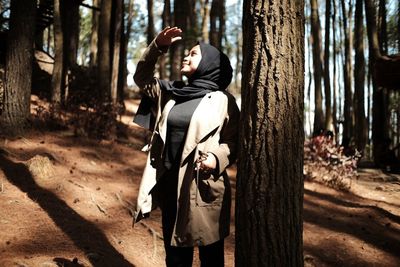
(193, 142)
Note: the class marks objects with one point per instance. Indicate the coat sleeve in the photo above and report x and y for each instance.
(226, 152)
(144, 74)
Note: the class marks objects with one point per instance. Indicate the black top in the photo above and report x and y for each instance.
(177, 125)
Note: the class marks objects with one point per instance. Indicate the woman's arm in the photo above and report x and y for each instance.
(144, 74)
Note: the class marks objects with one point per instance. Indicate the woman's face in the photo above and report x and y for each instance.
(191, 61)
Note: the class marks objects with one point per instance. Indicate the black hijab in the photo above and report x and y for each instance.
(214, 73)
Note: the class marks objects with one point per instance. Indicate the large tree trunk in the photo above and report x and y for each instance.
(327, 79)
(269, 196)
(58, 70)
(348, 119)
(94, 35)
(379, 116)
(359, 79)
(319, 120)
(18, 69)
(104, 58)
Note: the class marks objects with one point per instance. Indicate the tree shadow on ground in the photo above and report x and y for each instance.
(84, 234)
(368, 228)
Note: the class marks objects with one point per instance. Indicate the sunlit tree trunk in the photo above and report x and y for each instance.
(104, 64)
(116, 50)
(94, 34)
(18, 68)
(335, 88)
(327, 78)
(359, 78)
(205, 15)
(319, 120)
(269, 191)
(57, 77)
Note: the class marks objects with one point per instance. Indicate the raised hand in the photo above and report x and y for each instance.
(169, 35)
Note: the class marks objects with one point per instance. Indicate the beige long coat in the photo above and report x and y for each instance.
(204, 201)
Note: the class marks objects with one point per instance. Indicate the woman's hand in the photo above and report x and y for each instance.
(168, 36)
(207, 162)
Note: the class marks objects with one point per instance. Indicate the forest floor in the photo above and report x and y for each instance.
(66, 201)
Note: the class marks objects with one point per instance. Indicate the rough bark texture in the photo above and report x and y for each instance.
(57, 77)
(18, 69)
(319, 120)
(270, 174)
(359, 79)
(104, 64)
(327, 78)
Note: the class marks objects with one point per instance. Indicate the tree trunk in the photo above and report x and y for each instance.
(319, 121)
(215, 6)
(379, 116)
(382, 26)
(116, 50)
(327, 79)
(270, 173)
(359, 79)
(57, 78)
(94, 35)
(177, 49)
(150, 22)
(104, 61)
(335, 89)
(348, 120)
(205, 15)
(166, 21)
(18, 68)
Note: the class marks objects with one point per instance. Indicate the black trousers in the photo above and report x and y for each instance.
(210, 256)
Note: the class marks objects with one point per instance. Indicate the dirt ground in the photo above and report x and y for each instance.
(75, 211)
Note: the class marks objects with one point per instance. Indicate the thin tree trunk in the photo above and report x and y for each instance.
(327, 79)
(116, 50)
(177, 49)
(348, 121)
(205, 15)
(104, 61)
(269, 191)
(18, 68)
(335, 89)
(94, 35)
(382, 25)
(319, 120)
(57, 77)
(166, 21)
(215, 6)
(150, 22)
(359, 78)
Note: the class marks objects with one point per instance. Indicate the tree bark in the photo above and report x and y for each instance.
(116, 50)
(58, 69)
(94, 35)
(379, 116)
(335, 88)
(104, 56)
(327, 79)
(177, 49)
(382, 25)
(319, 120)
(269, 191)
(205, 14)
(348, 106)
(150, 22)
(18, 68)
(166, 21)
(359, 79)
